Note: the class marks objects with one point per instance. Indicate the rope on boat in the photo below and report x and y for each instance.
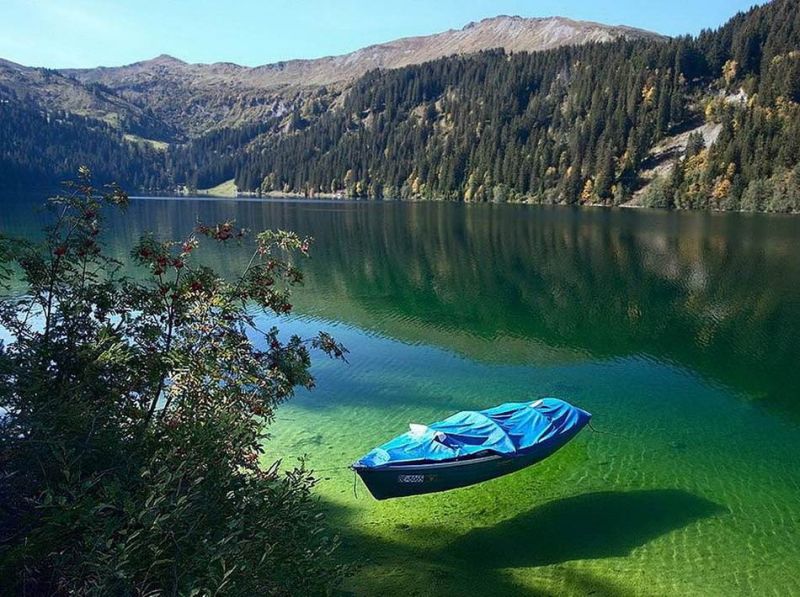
(327, 470)
(340, 468)
(602, 432)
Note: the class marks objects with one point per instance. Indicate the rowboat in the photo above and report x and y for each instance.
(469, 447)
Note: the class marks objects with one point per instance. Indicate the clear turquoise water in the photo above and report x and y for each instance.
(679, 332)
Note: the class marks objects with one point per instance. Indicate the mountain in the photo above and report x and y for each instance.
(705, 122)
(50, 90)
(711, 122)
(50, 123)
(194, 97)
(198, 96)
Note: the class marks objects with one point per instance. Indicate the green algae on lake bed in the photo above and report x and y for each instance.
(680, 332)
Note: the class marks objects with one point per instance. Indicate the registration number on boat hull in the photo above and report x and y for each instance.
(411, 478)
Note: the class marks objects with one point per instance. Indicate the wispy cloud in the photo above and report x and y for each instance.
(81, 17)
(55, 32)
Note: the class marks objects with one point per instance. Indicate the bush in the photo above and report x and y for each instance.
(660, 193)
(778, 194)
(134, 414)
(786, 197)
(757, 194)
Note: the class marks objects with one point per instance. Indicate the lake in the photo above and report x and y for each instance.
(680, 332)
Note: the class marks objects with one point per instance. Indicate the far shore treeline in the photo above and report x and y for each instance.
(706, 122)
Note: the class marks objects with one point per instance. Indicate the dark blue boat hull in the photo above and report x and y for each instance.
(416, 479)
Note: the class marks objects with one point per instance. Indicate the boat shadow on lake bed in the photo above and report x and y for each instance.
(435, 559)
(588, 526)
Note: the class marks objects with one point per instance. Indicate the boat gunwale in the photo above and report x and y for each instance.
(433, 465)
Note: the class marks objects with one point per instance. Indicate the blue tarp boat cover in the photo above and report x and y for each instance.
(513, 429)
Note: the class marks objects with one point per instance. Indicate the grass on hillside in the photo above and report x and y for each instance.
(224, 189)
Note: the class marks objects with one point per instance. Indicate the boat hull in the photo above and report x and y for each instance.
(415, 479)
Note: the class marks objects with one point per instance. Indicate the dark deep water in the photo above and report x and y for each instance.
(680, 332)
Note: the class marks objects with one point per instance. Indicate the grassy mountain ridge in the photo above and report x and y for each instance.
(196, 97)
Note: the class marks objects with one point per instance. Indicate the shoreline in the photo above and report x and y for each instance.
(336, 197)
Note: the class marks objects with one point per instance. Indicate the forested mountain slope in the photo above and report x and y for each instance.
(570, 125)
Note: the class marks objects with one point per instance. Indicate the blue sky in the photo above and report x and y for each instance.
(82, 33)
